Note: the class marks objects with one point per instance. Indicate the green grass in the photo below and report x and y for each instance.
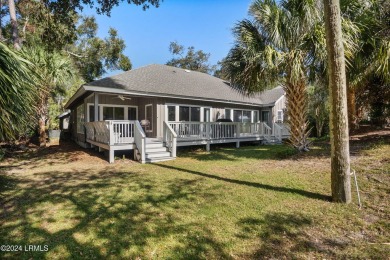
(253, 202)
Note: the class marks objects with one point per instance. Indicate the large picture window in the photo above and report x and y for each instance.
(80, 119)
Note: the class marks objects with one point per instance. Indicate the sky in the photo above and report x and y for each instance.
(205, 24)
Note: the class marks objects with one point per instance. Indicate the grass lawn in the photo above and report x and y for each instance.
(251, 202)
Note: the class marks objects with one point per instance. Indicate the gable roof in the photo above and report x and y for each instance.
(163, 80)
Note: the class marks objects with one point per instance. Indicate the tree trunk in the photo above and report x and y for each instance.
(351, 99)
(339, 137)
(14, 24)
(42, 132)
(42, 112)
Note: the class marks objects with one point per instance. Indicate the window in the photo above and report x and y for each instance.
(80, 119)
(171, 113)
(132, 113)
(184, 113)
(195, 114)
(228, 114)
(255, 116)
(280, 116)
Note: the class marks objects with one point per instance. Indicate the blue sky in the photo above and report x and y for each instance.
(204, 24)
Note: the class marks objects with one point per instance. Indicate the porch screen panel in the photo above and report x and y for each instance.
(171, 113)
(184, 113)
(195, 114)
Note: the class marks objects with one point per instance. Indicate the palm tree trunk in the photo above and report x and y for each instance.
(296, 106)
(340, 161)
(14, 24)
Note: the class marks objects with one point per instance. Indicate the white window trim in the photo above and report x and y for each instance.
(100, 106)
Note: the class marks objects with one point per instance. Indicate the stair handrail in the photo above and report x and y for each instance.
(267, 130)
(140, 140)
(170, 139)
(277, 131)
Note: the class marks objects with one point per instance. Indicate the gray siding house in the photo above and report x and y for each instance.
(156, 108)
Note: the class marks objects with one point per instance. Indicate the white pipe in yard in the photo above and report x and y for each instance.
(357, 189)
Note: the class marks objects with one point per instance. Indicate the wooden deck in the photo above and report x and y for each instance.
(115, 135)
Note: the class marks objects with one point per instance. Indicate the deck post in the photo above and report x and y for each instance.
(238, 130)
(111, 133)
(111, 155)
(208, 147)
(238, 144)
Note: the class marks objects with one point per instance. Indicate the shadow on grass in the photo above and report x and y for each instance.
(281, 235)
(96, 215)
(228, 152)
(65, 152)
(304, 193)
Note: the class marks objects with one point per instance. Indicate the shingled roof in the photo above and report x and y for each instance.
(158, 80)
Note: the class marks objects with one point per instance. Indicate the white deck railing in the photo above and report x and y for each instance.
(169, 138)
(110, 131)
(117, 132)
(217, 130)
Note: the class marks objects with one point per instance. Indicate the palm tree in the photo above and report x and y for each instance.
(17, 94)
(271, 50)
(55, 71)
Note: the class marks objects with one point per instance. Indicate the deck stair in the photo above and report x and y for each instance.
(155, 151)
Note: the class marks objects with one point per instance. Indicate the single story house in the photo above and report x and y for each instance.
(155, 108)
